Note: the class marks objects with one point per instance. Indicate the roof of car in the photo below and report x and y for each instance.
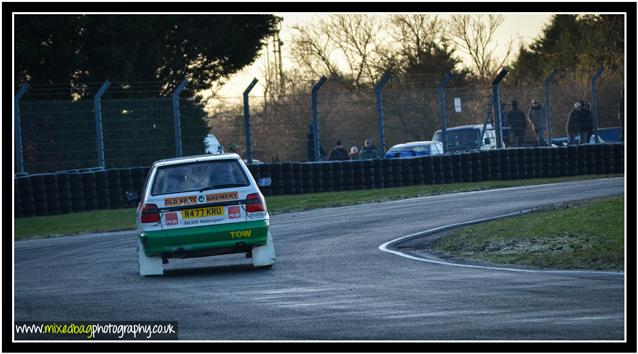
(417, 143)
(195, 158)
(469, 126)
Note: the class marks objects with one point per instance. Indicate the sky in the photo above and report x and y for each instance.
(518, 27)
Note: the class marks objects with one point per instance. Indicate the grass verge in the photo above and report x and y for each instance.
(584, 235)
(124, 219)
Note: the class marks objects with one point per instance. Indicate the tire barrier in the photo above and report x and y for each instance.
(103, 191)
(427, 166)
(91, 189)
(64, 190)
(52, 192)
(39, 195)
(24, 190)
(115, 188)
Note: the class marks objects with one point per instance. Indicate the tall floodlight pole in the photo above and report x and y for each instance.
(247, 129)
(18, 128)
(443, 110)
(594, 102)
(548, 108)
(315, 117)
(177, 119)
(379, 101)
(497, 106)
(97, 107)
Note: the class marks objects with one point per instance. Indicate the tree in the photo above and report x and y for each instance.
(74, 49)
(342, 40)
(475, 36)
(576, 45)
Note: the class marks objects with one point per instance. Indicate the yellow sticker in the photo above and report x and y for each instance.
(188, 200)
(220, 197)
(241, 234)
(202, 212)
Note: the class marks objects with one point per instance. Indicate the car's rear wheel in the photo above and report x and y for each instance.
(264, 256)
(148, 265)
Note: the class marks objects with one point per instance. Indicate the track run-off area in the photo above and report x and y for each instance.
(332, 280)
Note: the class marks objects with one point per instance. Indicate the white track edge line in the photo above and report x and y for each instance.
(384, 248)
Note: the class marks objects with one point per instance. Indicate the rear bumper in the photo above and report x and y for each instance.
(205, 240)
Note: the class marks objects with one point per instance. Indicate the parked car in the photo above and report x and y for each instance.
(468, 138)
(201, 206)
(610, 134)
(605, 135)
(415, 148)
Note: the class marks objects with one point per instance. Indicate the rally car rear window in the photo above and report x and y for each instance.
(198, 176)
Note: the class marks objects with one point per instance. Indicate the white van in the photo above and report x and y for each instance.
(468, 138)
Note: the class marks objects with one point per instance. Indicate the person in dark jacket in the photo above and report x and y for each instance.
(573, 123)
(538, 120)
(517, 122)
(369, 151)
(586, 125)
(338, 153)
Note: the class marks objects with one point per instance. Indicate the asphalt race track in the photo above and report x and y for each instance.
(331, 281)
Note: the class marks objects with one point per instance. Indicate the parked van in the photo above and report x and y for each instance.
(468, 138)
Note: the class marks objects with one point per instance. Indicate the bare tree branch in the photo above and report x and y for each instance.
(474, 35)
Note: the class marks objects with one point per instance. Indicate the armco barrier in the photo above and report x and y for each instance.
(82, 190)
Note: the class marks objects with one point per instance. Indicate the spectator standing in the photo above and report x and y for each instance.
(536, 116)
(586, 124)
(573, 123)
(369, 151)
(338, 153)
(517, 123)
(354, 153)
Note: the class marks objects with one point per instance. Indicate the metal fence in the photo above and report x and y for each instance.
(54, 135)
(58, 135)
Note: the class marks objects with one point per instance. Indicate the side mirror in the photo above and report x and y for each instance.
(264, 182)
(133, 197)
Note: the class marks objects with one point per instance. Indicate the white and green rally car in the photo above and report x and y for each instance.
(201, 206)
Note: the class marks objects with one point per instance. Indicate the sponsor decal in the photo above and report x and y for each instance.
(259, 215)
(241, 234)
(234, 212)
(209, 198)
(202, 221)
(171, 219)
(221, 197)
(191, 199)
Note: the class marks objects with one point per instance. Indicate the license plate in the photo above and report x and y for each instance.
(202, 212)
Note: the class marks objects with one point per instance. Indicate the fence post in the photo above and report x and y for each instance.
(247, 129)
(594, 102)
(442, 109)
(548, 114)
(497, 107)
(379, 101)
(97, 106)
(18, 129)
(315, 117)
(177, 119)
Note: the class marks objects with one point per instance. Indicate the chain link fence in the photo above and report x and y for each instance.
(61, 134)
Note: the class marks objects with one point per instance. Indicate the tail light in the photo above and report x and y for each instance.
(255, 203)
(150, 213)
